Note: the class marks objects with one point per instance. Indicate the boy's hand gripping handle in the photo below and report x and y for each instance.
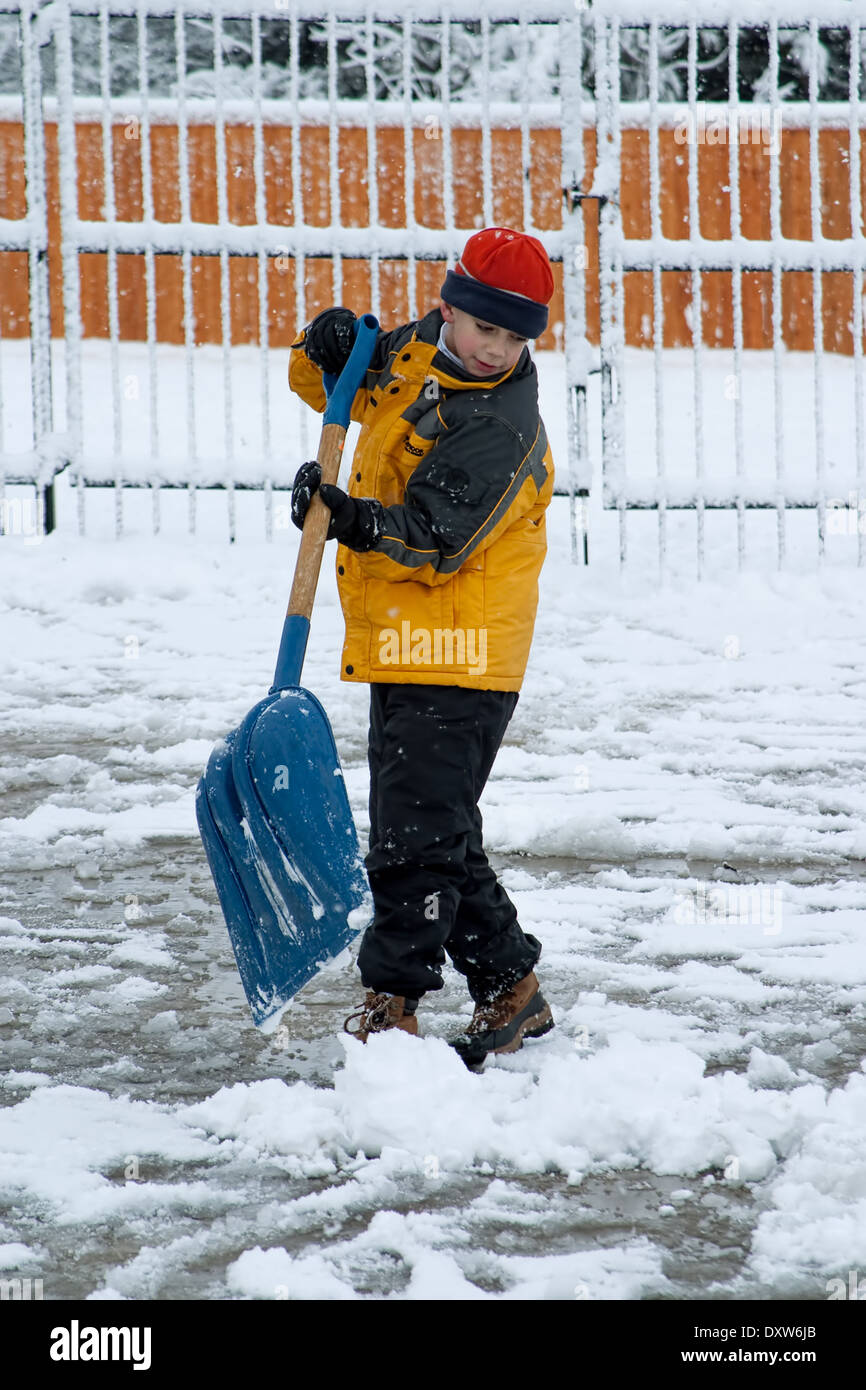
(341, 393)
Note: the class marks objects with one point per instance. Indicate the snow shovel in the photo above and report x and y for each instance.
(272, 808)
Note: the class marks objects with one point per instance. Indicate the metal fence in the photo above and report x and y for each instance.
(375, 190)
(764, 448)
(156, 440)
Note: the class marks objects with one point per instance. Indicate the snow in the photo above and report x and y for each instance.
(708, 12)
(678, 813)
(435, 1275)
(13, 1254)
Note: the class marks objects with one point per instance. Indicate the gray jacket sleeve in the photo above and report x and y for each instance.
(458, 496)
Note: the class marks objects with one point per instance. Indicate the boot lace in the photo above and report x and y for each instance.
(372, 1014)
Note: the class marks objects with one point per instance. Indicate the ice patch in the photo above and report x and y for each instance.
(55, 1144)
(275, 1274)
(135, 988)
(13, 1255)
(143, 950)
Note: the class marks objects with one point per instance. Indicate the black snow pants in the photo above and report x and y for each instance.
(431, 749)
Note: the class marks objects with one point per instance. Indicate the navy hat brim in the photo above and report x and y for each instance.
(512, 311)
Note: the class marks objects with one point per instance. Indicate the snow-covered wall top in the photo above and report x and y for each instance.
(461, 10)
(747, 12)
(709, 12)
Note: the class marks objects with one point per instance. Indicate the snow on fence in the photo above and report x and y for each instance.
(202, 178)
(802, 263)
(248, 212)
(26, 232)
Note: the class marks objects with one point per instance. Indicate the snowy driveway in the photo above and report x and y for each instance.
(678, 812)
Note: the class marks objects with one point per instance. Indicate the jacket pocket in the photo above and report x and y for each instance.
(400, 616)
(468, 593)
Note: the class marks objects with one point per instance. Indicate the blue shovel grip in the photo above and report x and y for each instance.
(341, 390)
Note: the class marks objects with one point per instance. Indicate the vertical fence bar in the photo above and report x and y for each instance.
(110, 213)
(817, 231)
(570, 79)
(776, 238)
(611, 276)
(697, 296)
(3, 510)
(41, 404)
(146, 153)
(186, 263)
(28, 216)
(68, 171)
(614, 225)
(486, 137)
(225, 280)
(262, 270)
(574, 269)
(334, 152)
(409, 168)
(447, 135)
(372, 164)
(736, 230)
(23, 39)
(3, 526)
(298, 198)
(856, 206)
(657, 293)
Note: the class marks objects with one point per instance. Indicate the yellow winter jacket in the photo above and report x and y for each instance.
(463, 471)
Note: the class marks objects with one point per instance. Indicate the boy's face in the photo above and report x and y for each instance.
(483, 348)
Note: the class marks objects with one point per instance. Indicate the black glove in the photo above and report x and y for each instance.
(355, 521)
(307, 480)
(329, 339)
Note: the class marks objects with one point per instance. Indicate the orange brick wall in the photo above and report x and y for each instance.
(507, 182)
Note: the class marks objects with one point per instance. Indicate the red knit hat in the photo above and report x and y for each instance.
(503, 277)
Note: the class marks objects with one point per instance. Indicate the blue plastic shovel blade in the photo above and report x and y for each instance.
(281, 842)
(245, 907)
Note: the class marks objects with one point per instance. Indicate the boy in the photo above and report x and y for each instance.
(441, 541)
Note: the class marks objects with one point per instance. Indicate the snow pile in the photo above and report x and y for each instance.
(631, 1104)
(818, 1214)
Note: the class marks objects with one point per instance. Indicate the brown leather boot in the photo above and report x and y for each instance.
(379, 1012)
(501, 1024)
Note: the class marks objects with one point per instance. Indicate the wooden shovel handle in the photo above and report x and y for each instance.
(316, 524)
(341, 391)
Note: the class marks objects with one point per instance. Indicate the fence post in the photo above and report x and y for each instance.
(606, 188)
(37, 258)
(574, 267)
(68, 173)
